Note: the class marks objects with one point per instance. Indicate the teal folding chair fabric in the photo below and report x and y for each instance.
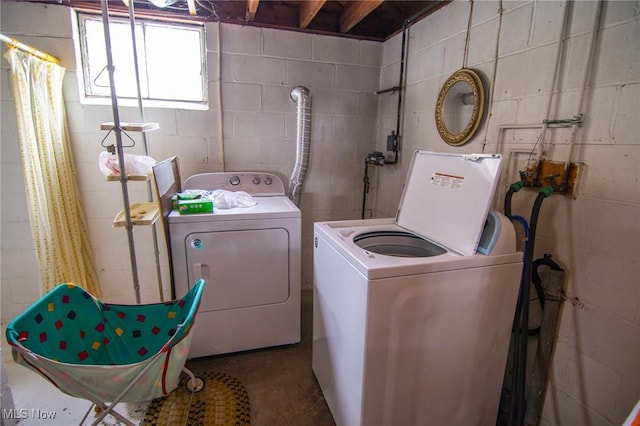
(95, 350)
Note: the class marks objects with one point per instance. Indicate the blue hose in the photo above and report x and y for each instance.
(525, 225)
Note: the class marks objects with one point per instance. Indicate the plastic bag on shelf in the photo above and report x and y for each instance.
(134, 164)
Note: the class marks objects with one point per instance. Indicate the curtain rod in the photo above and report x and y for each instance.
(12, 42)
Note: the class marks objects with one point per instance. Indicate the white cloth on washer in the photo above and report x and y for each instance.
(223, 199)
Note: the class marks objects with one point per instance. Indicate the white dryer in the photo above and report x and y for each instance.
(412, 316)
(250, 258)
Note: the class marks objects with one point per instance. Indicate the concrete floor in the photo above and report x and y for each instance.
(281, 386)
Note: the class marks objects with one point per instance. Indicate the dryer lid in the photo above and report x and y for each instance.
(447, 197)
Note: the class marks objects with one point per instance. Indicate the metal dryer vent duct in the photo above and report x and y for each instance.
(302, 97)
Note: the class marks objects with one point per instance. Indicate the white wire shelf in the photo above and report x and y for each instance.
(131, 127)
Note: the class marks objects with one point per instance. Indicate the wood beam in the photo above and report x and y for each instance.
(355, 12)
(308, 10)
(252, 8)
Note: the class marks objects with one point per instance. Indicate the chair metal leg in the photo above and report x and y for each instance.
(194, 384)
(111, 412)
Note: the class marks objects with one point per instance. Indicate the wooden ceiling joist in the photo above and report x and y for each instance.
(355, 12)
(363, 19)
(308, 10)
(252, 8)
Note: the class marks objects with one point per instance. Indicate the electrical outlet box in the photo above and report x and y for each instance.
(562, 177)
(392, 142)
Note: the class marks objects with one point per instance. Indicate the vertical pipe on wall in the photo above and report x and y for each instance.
(394, 138)
(494, 70)
(468, 36)
(586, 77)
(302, 96)
(219, 98)
(401, 82)
(561, 41)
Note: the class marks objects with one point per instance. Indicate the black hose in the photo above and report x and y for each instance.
(515, 354)
(515, 347)
(514, 187)
(546, 261)
(537, 283)
(538, 374)
(521, 362)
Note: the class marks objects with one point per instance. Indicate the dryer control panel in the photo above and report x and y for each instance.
(254, 183)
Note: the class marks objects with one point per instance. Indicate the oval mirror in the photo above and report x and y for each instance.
(459, 107)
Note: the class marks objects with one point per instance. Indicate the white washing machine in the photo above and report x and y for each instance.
(250, 258)
(412, 317)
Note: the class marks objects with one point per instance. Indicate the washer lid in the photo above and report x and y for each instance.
(447, 197)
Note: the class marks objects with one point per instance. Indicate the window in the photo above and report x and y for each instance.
(171, 61)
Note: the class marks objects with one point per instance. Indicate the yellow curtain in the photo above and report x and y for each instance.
(57, 220)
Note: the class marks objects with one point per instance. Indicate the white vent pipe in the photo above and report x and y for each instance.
(302, 97)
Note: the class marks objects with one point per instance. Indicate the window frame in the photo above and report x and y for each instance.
(83, 63)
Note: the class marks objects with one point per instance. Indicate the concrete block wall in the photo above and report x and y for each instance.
(259, 67)
(595, 377)
(595, 237)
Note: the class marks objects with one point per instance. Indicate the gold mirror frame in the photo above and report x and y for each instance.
(475, 84)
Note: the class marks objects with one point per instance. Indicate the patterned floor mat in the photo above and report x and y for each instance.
(224, 401)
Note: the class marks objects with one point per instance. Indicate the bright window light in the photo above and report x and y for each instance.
(171, 60)
(167, 56)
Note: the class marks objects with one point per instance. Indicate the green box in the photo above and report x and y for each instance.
(181, 196)
(195, 206)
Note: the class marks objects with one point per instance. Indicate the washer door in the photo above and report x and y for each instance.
(447, 197)
(242, 268)
(398, 244)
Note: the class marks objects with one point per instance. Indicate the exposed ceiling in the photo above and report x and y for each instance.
(368, 19)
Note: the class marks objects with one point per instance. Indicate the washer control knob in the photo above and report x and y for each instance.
(268, 180)
(234, 180)
(256, 180)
